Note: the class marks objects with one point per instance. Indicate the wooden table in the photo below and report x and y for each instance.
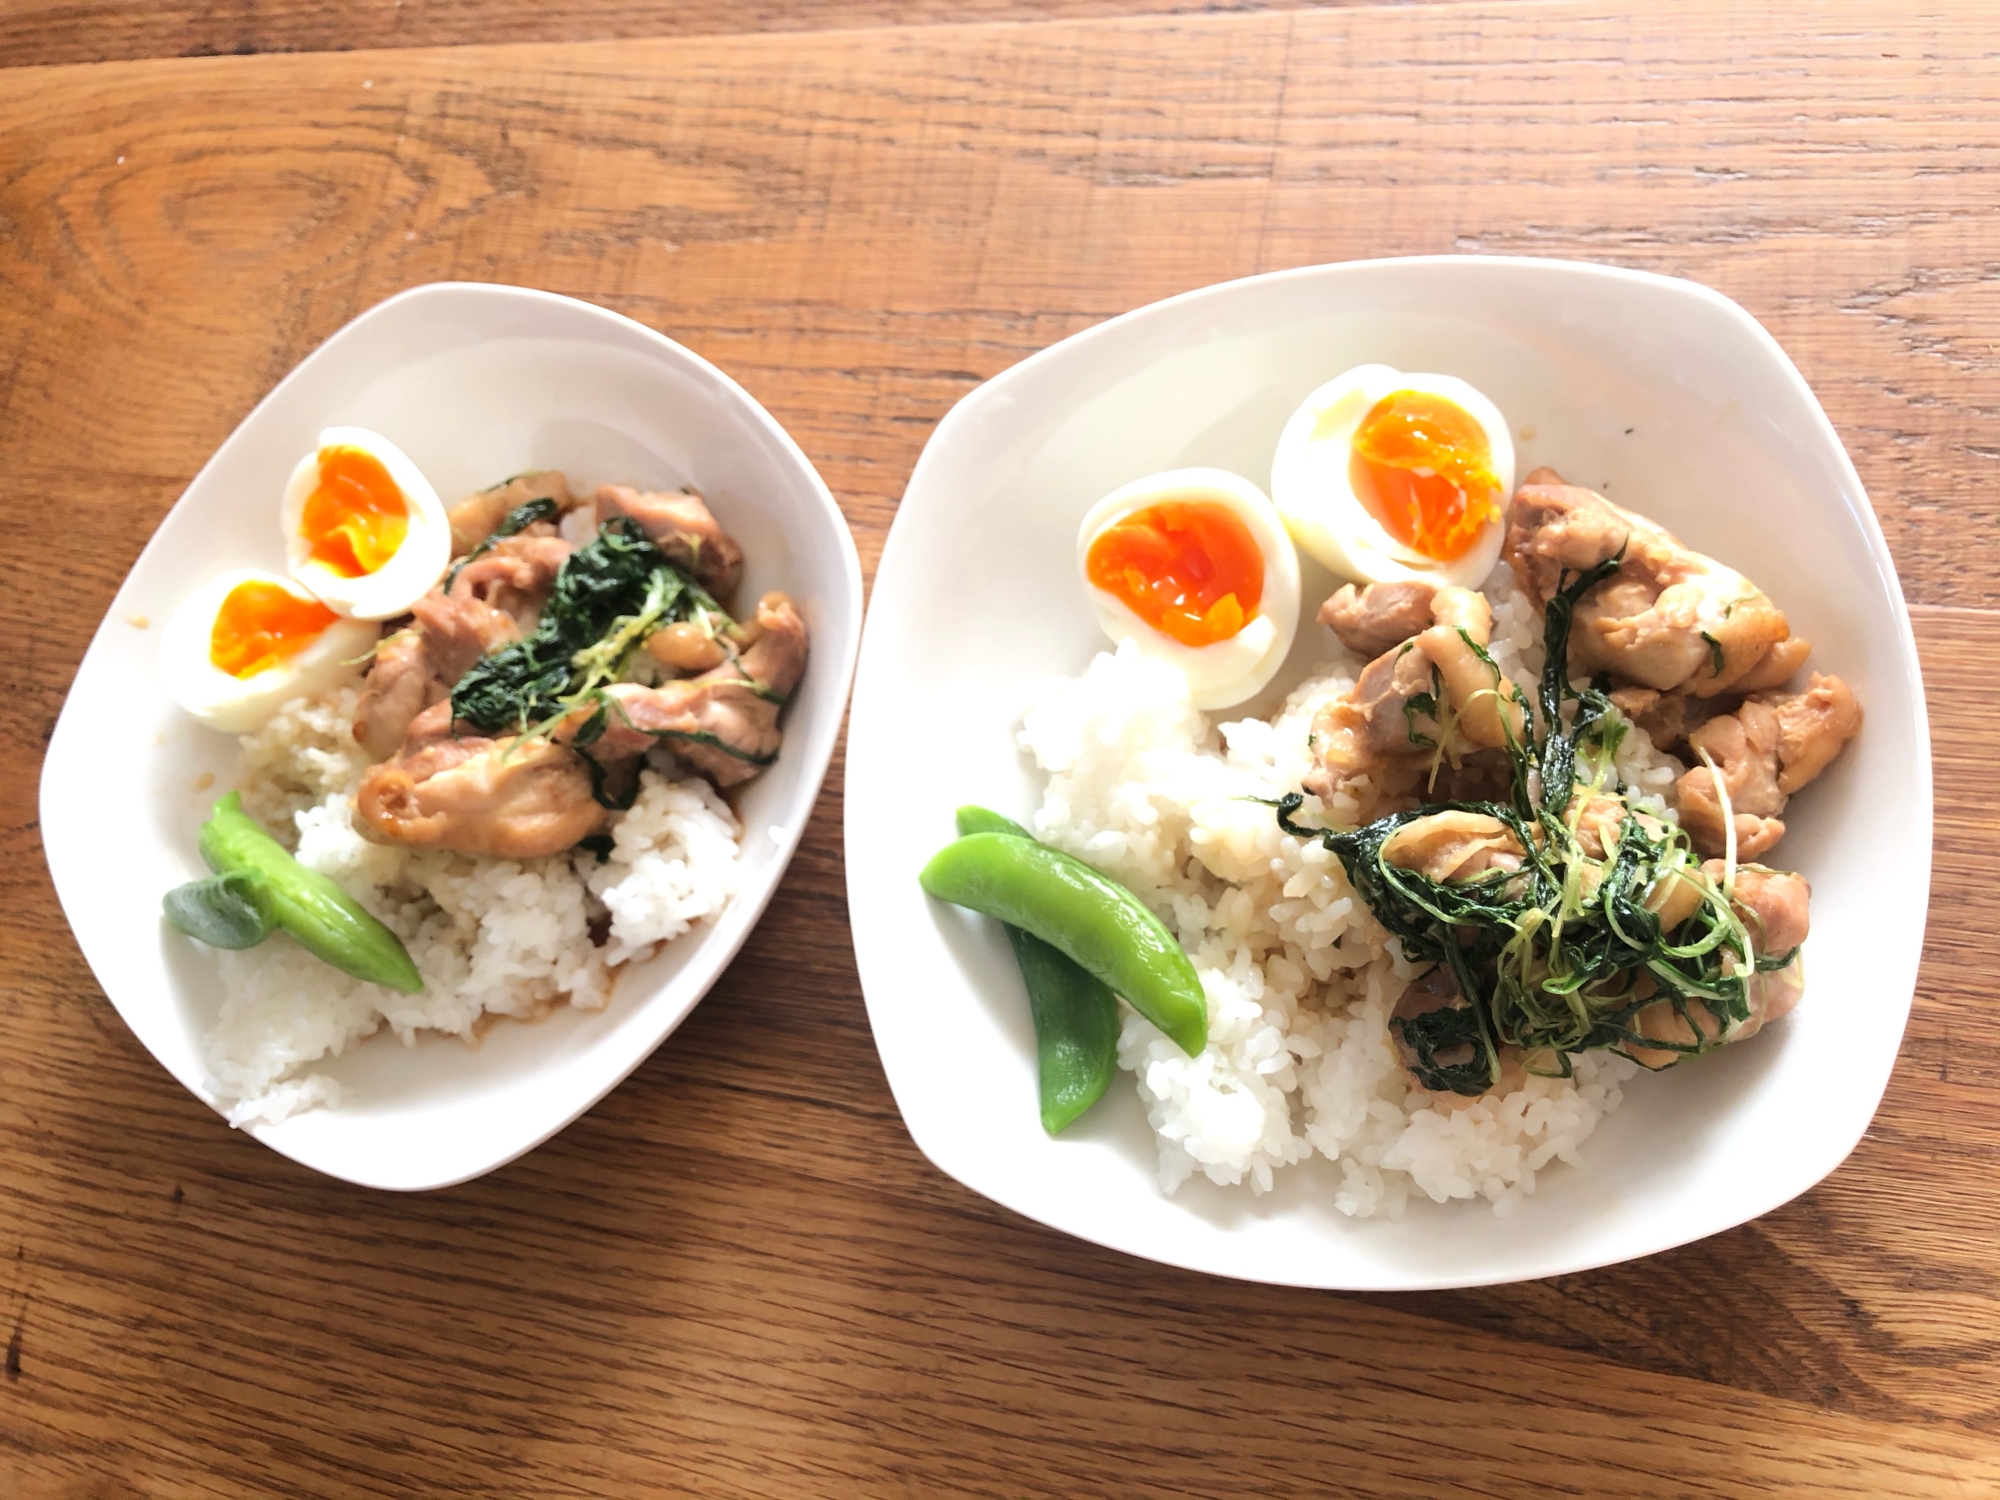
(737, 1276)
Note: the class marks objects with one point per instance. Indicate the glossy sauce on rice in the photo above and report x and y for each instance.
(491, 937)
(1299, 977)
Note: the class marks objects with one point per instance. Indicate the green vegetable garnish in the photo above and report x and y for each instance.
(604, 589)
(256, 874)
(1715, 656)
(1091, 918)
(224, 911)
(1552, 956)
(611, 594)
(1076, 1015)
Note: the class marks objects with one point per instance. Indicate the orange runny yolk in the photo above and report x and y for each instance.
(263, 625)
(1188, 568)
(356, 516)
(1423, 468)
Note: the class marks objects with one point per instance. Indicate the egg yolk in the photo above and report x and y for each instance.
(1423, 468)
(356, 516)
(1188, 568)
(263, 625)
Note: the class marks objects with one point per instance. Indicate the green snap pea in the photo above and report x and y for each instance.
(1075, 1013)
(325, 920)
(1076, 1030)
(974, 819)
(1091, 918)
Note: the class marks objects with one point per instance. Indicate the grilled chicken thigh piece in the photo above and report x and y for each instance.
(1773, 906)
(1773, 744)
(724, 722)
(494, 600)
(1370, 620)
(477, 517)
(1670, 618)
(515, 575)
(1433, 691)
(518, 799)
(681, 526)
(402, 682)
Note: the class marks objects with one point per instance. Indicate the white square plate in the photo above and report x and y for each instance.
(474, 382)
(1664, 394)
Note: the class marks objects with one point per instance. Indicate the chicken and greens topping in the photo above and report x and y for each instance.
(1562, 913)
(536, 647)
(511, 713)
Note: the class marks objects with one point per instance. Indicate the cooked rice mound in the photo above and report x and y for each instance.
(491, 937)
(1300, 978)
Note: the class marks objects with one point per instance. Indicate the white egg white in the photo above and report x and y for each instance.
(1228, 671)
(417, 564)
(1310, 484)
(238, 705)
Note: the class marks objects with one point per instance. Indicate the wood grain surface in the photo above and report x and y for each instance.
(737, 1276)
(39, 32)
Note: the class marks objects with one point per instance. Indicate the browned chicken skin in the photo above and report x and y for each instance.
(722, 729)
(1744, 747)
(1773, 744)
(682, 527)
(477, 517)
(1774, 904)
(457, 629)
(515, 575)
(402, 683)
(774, 655)
(1669, 618)
(1813, 728)
(1376, 741)
(1454, 845)
(1370, 620)
(515, 798)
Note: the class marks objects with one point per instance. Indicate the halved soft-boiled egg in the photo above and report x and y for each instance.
(1194, 565)
(364, 530)
(1385, 476)
(248, 641)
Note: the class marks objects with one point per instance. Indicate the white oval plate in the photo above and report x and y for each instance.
(1664, 394)
(474, 382)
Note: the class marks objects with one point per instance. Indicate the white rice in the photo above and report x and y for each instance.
(491, 937)
(1300, 979)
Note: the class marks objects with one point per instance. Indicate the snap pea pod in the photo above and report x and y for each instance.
(1094, 920)
(975, 819)
(1076, 1015)
(1076, 1030)
(325, 920)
